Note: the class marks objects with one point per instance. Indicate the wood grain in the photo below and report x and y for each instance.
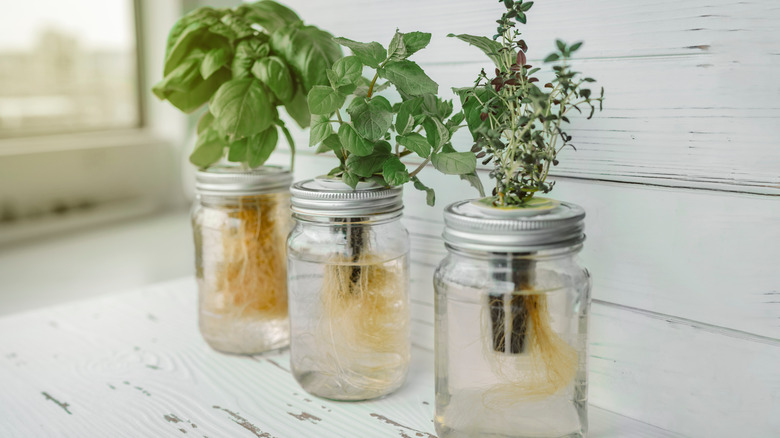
(134, 365)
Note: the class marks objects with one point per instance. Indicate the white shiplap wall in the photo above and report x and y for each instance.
(680, 176)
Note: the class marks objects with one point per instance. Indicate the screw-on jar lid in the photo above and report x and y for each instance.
(233, 180)
(468, 225)
(329, 197)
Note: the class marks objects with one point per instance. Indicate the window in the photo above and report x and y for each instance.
(68, 67)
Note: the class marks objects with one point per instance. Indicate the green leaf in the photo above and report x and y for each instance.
(273, 72)
(247, 52)
(371, 119)
(213, 61)
(552, 57)
(268, 14)
(574, 47)
(475, 182)
(415, 41)
(208, 149)
(368, 165)
(260, 146)
(346, 71)
(526, 6)
(394, 171)
(382, 102)
(309, 51)
(237, 151)
(396, 50)
(437, 134)
(332, 143)
(320, 129)
(242, 108)
(415, 143)
(205, 121)
(186, 89)
(350, 179)
(470, 101)
(371, 54)
(454, 163)
(189, 34)
(561, 45)
(324, 100)
(488, 46)
(409, 78)
(298, 108)
(430, 195)
(404, 121)
(197, 19)
(352, 142)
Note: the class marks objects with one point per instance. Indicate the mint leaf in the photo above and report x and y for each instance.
(213, 61)
(332, 143)
(414, 41)
(475, 182)
(437, 134)
(488, 46)
(371, 119)
(324, 100)
(273, 72)
(352, 142)
(415, 143)
(394, 171)
(396, 50)
(404, 121)
(208, 149)
(370, 164)
(346, 71)
(350, 179)
(242, 108)
(409, 78)
(320, 129)
(260, 146)
(371, 54)
(430, 196)
(454, 163)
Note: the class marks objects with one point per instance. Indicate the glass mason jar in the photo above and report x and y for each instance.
(349, 290)
(240, 223)
(512, 307)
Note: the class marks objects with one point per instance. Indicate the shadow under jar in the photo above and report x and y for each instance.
(512, 306)
(240, 223)
(349, 290)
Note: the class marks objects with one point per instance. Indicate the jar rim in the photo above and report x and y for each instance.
(221, 180)
(313, 198)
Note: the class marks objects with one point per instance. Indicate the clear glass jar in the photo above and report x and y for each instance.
(349, 290)
(512, 306)
(240, 222)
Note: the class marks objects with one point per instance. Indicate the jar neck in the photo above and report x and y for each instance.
(329, 220)
(237, 199)
(544, 254)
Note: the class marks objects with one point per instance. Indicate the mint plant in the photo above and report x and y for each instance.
(244, 63)
(377, 134)
(516, 123)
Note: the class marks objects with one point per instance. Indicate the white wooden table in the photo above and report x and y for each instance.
(134, 365)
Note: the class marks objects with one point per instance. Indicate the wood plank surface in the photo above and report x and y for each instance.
(134, 365)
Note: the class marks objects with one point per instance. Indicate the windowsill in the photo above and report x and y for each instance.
(77, 141)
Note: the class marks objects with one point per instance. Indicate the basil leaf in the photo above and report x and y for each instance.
(205, 122)
(409, 78)
(352, 142)
(454, 163)
(324, 100)
(247, 52)
(371, 119)
(208, 149)
(320, 130)
(394, 171)
(213, 61)
(242, 108)
(237, 151)
(430, 195)
(268, 14)
(273, 72)
(298, 108)
(371, 54)
(415, 143)
(260, 146)
(491, 48)
(192, 94)
(414, 41)
(309, 51)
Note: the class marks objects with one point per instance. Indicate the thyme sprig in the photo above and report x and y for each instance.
(516, 123)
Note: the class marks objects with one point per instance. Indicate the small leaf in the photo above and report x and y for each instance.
(437, 134)
(396, 50)
(475, 182)
(415, 143)
(552, 57)
(324, 100)
(491, 48)
(575, 46)
(352, 142)
(394, 171)
(213, 61)
(430, 195)
(273, 72)
(415, 41)
(371, 54)
(350, 179)
(370, 119)
(260, 146)
(368, 165)
(454, 163)
(320, 129)
(346, 71)
(208, 148)
(526, 6)
(561, 45)
(409, 78)
(404, 121)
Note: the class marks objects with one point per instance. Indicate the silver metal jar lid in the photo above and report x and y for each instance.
(468, 226)
(329, 197)
(233, 180)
